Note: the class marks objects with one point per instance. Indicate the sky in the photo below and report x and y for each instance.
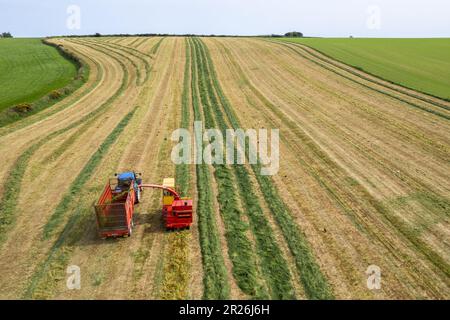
(324, 18)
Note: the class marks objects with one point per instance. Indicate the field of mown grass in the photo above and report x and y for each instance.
(420, 64)
(363, 180)
(29, 70)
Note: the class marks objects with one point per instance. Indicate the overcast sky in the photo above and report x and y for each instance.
(332, 18)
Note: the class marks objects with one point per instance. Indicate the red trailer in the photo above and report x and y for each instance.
(114, 211)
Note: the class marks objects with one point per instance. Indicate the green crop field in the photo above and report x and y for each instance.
(29, 70)
(420, 64)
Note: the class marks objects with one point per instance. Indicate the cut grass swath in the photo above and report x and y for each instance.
(119, 53)
(155, 48)
(182, 170)
(273, 264)
(215, 278)
(132, 52)
(239, 246)
(240, 249)
(63, 147)
(313, 281)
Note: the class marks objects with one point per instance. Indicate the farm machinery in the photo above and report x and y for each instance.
(115, 207)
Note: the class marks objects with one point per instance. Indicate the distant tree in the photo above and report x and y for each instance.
(97, 35)
(6, 35)
(294, 34)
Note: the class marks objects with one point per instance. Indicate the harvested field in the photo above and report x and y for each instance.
(364, 178)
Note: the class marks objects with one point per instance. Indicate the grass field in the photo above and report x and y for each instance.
(363, 180)
(29, 70)
(420, 64)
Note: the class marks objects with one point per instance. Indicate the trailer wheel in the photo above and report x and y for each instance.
(138, 196)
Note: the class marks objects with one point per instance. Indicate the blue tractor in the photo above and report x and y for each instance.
(124, 181)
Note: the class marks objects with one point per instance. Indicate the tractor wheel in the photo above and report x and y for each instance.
(130, 231)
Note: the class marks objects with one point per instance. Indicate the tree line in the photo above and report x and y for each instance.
(292, 34)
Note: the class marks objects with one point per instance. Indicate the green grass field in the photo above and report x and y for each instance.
(29, 70)
(420, 64)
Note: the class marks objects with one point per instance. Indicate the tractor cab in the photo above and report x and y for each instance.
(126, 181)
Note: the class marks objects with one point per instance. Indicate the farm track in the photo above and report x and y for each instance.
(284, 106)
(363, 180)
